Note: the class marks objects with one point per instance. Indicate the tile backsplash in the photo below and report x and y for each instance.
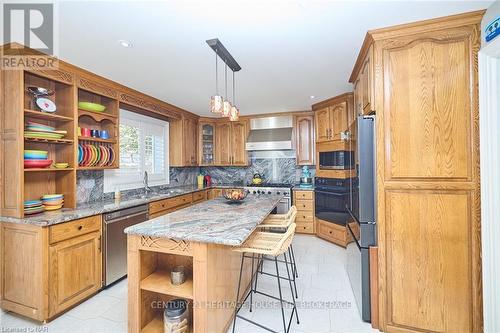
(275, 167)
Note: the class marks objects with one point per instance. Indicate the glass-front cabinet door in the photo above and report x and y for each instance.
(207, 142)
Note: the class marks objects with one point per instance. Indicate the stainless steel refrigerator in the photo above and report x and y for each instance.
(362, 208)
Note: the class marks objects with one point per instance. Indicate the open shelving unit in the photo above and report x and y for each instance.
(40, 181)
(107, 120)
(155, 286)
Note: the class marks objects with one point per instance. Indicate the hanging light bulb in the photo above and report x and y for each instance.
(216, 101)
(226, 109)
(234, 114)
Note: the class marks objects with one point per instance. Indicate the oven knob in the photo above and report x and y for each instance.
(258, 191)
(285, 193)
(254, 192)
(278, 192)
(268, 192)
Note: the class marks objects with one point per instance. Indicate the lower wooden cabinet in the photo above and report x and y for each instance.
(75, 271)
(332, 232)
(304, 201)
(46, 270)
(214, 193)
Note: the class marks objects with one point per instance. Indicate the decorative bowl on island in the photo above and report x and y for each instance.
(235, 195)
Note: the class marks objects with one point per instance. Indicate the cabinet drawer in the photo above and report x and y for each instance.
(305, 195)
(332, 232)
(60, 232)
(305, 228)
(198, 196)
(169, 203)
(304, 205)
(304, 216)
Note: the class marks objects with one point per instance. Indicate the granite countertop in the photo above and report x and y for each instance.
(69, 214)
(214, 221)
(298, 188)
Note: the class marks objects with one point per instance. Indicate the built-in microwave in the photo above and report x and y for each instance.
(336, 160)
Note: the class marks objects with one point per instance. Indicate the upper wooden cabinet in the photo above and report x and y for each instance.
(304, 139)
(206, 143)
(183, 143)
(363, 87)
(425, 93)
(230, 141)
(332, 118)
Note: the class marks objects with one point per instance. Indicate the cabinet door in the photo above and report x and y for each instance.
(190, 141)
(323, 122)
(206, 144)
(304, 140)
(223, 140)
(239, 138)
(339, 120)
(358, 100)
(74, 271)
(366, 78)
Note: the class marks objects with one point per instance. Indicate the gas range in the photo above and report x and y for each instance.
(270, 189)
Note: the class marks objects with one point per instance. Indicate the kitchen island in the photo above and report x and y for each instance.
(200, 238)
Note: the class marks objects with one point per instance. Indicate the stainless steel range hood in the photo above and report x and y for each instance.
(270, 133)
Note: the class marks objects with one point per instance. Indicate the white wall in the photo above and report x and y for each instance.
(492, 12)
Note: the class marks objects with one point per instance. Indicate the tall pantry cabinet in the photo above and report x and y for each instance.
(425, 96)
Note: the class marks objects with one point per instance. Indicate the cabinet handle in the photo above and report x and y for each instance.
(80, 227)
(99, 244)
(304, 216)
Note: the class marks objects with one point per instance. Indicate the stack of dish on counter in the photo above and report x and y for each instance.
(95, 155)
(40, 131)
(47, 202)
(36, 159)
(33, 207)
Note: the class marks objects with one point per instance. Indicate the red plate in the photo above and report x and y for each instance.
(28, 164)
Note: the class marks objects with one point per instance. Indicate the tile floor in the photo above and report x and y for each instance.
(326, 300)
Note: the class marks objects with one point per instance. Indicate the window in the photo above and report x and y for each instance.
(143, 147)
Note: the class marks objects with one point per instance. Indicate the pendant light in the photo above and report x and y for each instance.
(216, 101)
(226, 109)
(234, 115)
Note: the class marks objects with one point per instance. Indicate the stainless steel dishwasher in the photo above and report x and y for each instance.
(115, 240)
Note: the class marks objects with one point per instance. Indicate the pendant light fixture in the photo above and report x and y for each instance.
(234, 115)
(226, 109)
(216, 101)
(218, 104)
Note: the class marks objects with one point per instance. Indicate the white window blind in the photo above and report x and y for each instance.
(143, 147)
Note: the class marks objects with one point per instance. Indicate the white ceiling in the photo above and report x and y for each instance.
(288, 50)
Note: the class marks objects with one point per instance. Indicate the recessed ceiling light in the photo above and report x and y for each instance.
(125, 43)
(312, 97)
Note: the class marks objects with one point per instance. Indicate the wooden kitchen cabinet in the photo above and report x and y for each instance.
(304, 202)
(231, 140)
(425, 93)
(363, 87)
(75, 271)
(206, 143)
(304, 140)
(46, 270)
(332, 118)
(183, 143)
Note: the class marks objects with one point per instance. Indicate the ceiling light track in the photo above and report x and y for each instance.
(224, 54)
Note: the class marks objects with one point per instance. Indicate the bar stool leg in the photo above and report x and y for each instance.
(251, 282)
(259, 261)
(236, 306)
(291, 291)
(294, 261)
(281, 296)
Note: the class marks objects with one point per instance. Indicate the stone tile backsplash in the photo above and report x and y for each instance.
(273, 168)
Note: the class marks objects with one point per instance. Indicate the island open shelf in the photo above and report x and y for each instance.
(212, 275)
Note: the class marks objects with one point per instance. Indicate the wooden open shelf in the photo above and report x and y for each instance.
(159, 282)
(47, 169)
(84, 138)
(45, 116)
(98, 116)
(156, 326)
(62, 141)
(98, 167)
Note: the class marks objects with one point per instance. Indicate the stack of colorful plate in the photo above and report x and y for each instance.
(33, 207)
(42, 131)
(53, 201)
(36, 159)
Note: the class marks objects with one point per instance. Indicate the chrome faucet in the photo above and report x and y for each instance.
(145, 182)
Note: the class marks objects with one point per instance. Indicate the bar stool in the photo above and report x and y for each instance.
(268, 244)
(281, 222)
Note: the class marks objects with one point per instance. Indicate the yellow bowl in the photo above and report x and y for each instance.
(52, 207)
(61, 165)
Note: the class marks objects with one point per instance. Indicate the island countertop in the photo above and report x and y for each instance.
(214, 221)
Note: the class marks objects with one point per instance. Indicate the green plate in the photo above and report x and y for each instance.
(94, 107)
(42, 135)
